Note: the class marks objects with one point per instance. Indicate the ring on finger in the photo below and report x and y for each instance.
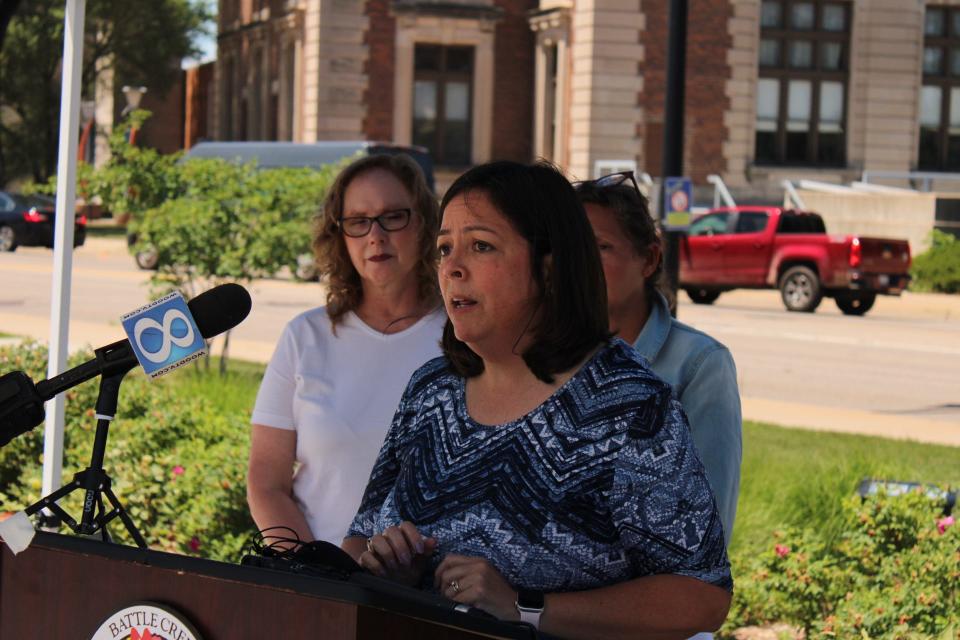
(370, 545)
(456, 586)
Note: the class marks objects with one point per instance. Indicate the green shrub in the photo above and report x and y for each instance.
(233, 221)
(177, 459)
(938, 268)
(893, 573)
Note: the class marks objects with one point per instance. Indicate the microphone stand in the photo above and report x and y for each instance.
(94, 481)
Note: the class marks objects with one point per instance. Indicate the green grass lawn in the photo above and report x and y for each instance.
(797, 477)
(789, 476)
(235, 391)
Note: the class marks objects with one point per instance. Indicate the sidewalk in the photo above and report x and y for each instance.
(820, 418)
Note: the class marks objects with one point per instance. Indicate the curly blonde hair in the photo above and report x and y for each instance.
(344, 289)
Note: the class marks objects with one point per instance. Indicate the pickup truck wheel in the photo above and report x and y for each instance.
(703, 296)
(800, 289)
(855, 304)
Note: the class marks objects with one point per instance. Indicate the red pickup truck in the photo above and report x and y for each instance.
(770, 247)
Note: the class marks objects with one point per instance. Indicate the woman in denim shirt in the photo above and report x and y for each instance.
(700, 369)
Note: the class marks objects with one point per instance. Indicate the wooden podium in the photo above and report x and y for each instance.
(64, 587)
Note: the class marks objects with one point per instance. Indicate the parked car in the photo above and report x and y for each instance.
(274, 155)
(774, 248)
(28, 221)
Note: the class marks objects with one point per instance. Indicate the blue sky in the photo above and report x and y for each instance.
(207, 43)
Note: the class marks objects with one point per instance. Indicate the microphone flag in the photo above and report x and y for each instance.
(164, 335)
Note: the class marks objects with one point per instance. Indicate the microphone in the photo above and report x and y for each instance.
(21, 401)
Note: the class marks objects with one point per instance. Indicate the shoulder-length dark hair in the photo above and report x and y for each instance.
(541, 205)
(344, 289)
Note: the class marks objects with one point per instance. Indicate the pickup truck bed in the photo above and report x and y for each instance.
(769, 247)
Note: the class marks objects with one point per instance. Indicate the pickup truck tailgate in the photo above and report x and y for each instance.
(883, 255)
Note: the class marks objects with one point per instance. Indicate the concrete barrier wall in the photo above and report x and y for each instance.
(888, 215)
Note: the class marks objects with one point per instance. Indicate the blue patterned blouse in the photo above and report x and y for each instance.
(599, 484)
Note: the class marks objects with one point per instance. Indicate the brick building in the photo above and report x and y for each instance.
(776, 89)
(407, 71)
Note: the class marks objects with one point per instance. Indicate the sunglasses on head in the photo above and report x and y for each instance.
(611, 180)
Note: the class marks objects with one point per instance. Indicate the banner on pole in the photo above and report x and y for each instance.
(677, 202)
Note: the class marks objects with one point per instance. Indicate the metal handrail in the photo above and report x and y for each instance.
(792, 195)
(720, 192)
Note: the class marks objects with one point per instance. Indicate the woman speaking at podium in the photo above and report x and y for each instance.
(337, 374)
(540, 471)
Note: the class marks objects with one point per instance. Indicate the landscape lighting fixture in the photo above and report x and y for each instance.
(133, 96)
(870, 486)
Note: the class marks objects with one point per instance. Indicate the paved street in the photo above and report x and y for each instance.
(894, 372)
(107, 284)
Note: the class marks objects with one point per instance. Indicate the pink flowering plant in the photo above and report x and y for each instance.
(894, 572)
(945, 523)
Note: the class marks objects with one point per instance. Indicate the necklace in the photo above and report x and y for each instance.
(416, 315)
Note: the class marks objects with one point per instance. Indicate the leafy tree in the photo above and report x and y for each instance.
(142, 42)
(207, 221)
(231, 222)
(135, 178)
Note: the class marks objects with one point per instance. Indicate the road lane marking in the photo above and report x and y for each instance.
(87, 271)
(717, 329)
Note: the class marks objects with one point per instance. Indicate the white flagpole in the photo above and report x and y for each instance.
(63, 235)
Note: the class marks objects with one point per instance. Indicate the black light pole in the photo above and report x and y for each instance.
(673, 130)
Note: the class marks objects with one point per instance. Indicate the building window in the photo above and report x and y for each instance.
(547, 148)
(940, 93)
(442, 98)
(253, 129)
(229, 91)
(287, 91)
(802, 88)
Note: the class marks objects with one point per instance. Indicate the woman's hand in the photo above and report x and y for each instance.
(399, 554)
(475, 582)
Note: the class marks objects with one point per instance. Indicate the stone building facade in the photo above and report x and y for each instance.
(405, 71)
(775, 89)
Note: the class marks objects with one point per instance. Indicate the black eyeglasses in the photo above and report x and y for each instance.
(611, 180)
(359, 226)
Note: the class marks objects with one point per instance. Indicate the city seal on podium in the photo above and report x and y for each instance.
(146, 621)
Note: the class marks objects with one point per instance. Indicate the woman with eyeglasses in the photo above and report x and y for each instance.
(337, 374)
(700, 369)
(540, 471)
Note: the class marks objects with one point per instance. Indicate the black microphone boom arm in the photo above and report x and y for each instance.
(117, 357)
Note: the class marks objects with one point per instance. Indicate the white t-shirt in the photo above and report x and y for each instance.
(339, 393)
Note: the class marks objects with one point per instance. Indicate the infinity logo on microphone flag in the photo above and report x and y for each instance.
(164, 335)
